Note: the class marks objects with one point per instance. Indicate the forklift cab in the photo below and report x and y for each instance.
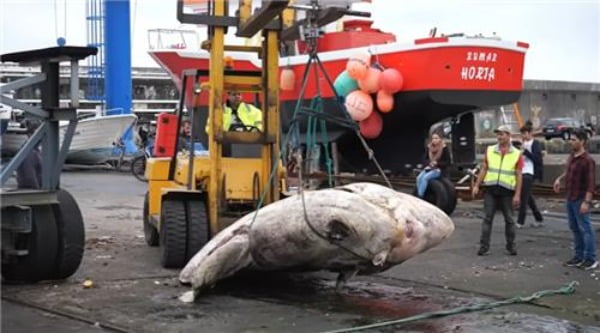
(189, 192)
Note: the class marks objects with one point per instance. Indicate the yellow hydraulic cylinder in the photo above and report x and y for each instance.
(215, 107)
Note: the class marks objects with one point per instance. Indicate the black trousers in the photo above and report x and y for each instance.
(528, 200)
(492, 202)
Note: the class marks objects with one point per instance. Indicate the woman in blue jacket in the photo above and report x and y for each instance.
(438, 159)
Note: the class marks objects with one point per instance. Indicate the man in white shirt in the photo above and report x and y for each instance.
(532, 170)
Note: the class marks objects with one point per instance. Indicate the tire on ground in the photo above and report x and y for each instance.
(150, 233)
(71, 235)
(42, 244)
(436, 194)
(173, 234)
(452, 198)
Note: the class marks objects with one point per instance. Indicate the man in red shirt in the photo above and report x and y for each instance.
(580, 185)
(501, 177)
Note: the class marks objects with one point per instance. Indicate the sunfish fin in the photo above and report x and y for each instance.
(343, 278)
(224, 261)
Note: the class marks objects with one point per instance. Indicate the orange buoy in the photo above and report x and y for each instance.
(358, 65)
(385, 101)
(391, 80)
(359, 105)
(287, 79)
(370, 83)
(228, 62)
(371, 127)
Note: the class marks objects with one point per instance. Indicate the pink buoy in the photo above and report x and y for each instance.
(287, 79)
(385, 101)
(371, 127)
(370, 83)
(391, 80)
(359, 105)
(358, 65)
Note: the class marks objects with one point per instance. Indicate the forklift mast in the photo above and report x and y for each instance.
(267, 20)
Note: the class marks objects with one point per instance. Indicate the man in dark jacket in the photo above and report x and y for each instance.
(532, 169)
(580, 179)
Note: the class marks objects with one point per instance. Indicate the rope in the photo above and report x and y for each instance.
(312, 227)
(328, 159)
(565, 290)
(55, 18)
(293, 134)
(314, 124)
(65, 19)
(347, 115)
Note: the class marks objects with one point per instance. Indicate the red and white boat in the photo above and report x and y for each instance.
(444, 77)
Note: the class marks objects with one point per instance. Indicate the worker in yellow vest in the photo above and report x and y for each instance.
(239, 116)
(501, 178)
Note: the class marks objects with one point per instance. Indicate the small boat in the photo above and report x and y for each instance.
(93, 142)
(95, 138)
(13, 137)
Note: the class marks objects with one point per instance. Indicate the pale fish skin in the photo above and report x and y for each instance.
(358, 228)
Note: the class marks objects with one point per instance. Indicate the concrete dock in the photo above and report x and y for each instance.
(132, 293)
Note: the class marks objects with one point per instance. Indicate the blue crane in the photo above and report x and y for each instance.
(109, 30)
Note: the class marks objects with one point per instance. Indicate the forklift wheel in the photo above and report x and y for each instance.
(452, 198)
(71, 235)
(42, 244)
(150, 232)
(173, 237)
(198, 231)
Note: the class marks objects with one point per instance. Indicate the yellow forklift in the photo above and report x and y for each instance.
(187, 194)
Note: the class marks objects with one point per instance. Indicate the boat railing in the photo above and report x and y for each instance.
(104, 112)
(173, 39)
(475, 36)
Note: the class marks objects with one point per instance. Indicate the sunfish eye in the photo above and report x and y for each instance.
(337, 230)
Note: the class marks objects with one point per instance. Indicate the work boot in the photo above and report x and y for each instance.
(483, 251)
(573, 262)
(589, 265)
(511, 249)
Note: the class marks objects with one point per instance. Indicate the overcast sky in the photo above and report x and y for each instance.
(564, 35)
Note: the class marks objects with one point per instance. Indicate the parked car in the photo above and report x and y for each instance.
(563, 127)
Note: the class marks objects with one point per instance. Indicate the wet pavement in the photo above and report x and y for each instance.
(132, 293)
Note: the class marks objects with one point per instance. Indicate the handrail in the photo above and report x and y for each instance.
(184, 39)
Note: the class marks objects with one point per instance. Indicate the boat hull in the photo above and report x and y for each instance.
(443, 78)
(92, 141)
(94, 138)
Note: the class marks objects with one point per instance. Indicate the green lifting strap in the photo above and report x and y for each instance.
(314, 124)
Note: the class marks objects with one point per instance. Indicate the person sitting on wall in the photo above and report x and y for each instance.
(438, 159)
(239, 116)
